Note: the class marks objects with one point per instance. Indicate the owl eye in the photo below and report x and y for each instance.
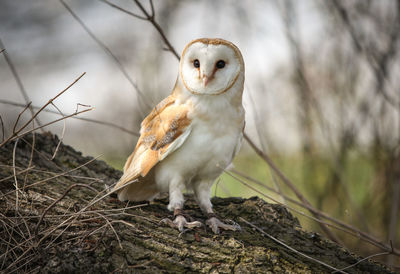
(220, 64)
(196, 63)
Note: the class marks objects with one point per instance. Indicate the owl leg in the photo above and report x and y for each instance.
(202, 193)
(176, 201)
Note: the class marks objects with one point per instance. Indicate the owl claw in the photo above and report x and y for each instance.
(180, 223)
(216, 224)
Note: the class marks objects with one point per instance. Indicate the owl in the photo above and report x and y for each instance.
(191, 136)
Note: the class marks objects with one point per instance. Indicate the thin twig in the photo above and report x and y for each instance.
(112, 228)
(15, 177)
(364, 259)
(109, 124)
(340, 225)
(18, 173)
(50, 123)
(124, 10)
(18, 80)
(371, 59)
(19, 116)
(291, 248)
(153, 14)
(289, 184)
(2, 129)
(57, 175)
(63, 131)
(107, 51)
(31, 156)
(15, 134)
(151, 19)
(58, 200)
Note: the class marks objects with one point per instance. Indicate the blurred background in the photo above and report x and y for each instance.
(322, 92)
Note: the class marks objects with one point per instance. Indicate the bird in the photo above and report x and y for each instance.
(191, 136)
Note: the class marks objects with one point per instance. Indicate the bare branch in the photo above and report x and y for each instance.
(45, 125)
(364, 259)
(289, 184)
(109, 124)
(2, 129)
(351, 230)
(106, 50)
(15, 177)
(19, 116)
(158, 28)
(17, 79)
(63, 131)
(15, 134)
(152, 9)
(123, 10)
(151, 18)
(371, 59)
(291, 248)
(58, 200)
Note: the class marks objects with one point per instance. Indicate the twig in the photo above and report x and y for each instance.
(15, 177)
(394, 212)
(58, 200)
(340, 225)
(50, 123)
(107, 51)
(291, 248)
(2, 129)
(124, 10)
(63, 131)
(57, 175)
(109, 124)
(15, 134)
(151, 19)
(289, 184)
(371, 59)
(20, 172)
(364, 259)
(141, 265)
(31, 156)
(152, 9)
(19, 116)
(112, 228)
(18, 80)
(256, 120)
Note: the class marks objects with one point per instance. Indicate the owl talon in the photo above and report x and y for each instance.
(216, 224)
(180, 223)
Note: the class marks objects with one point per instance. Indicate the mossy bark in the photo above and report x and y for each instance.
(58, 228)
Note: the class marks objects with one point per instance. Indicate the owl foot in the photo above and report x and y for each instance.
(216, 224)
(180, 222)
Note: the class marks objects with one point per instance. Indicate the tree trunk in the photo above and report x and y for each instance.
(54, 218)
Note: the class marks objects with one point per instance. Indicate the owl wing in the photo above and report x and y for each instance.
(163, 131)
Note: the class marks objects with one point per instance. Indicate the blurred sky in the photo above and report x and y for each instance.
(50, 49)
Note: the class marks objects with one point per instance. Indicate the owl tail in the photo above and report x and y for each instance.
(137, 188)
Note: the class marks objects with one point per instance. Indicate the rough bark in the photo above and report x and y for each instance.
(59, 228)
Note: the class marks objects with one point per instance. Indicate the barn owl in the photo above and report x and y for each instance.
(191, 136)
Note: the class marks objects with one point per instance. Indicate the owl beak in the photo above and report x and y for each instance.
(205, 80)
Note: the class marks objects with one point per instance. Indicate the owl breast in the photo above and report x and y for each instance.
(213, 142)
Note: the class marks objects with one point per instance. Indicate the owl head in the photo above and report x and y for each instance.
(211, 66)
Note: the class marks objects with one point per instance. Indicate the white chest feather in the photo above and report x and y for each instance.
(213, 142)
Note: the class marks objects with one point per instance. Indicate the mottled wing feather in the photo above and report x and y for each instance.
(163, 131)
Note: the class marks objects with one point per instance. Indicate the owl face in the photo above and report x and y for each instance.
(210, 66)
